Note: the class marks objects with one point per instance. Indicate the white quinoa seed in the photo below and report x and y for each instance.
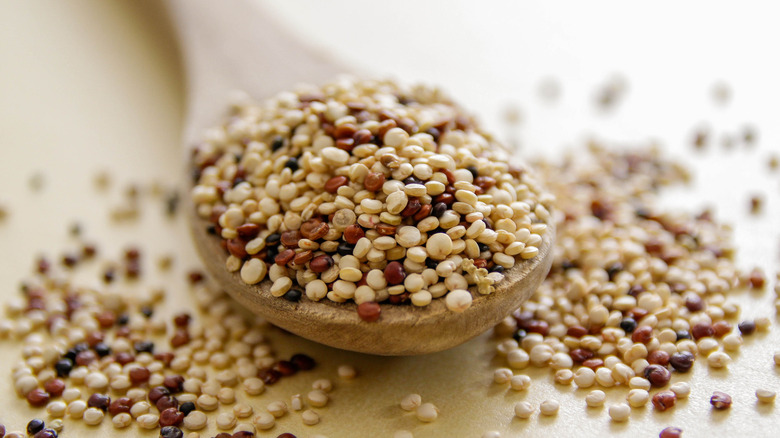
(502, 375)
(718, 359)
(243, 410)
(584, 377)
(296, 402)
(564, 377)
(520, 382)
(517, 358)
(427, 412)
(325, 385)
(596, 398)
(195, 420)
(310, 417)
(122, 420)
(263, 421)
(76, 409)
(56, 409)
(139, 409)
(681, 389)
(150, 421)
(277, 408)
(346, 372)
(411, 402)
(93, 416)
(226, 421)
(317, 398)
(524, 410)
(765, 395)
(458, 300)
(638, 398)
(549, 407)
(620, 412)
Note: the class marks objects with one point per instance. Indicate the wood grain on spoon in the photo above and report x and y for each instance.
(240, 47)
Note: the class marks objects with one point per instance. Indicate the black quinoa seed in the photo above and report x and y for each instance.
(292, 164)
(438, 209)
(63, 367)
(431, 263)
(473, 170)
(683, 334)
(34, 426)
(277, 143)
(171, 432)
(345, 249)
(144, 347)
(73, 352)
(273, 239)
(123, 319)
(747, 328)
(147, 311)
(628, 325)
(412, 180)
(102, 349)
(497, 268)
(186, 408)
(293, 295)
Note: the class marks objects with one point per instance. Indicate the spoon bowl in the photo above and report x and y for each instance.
(243, 48)
(401, 330)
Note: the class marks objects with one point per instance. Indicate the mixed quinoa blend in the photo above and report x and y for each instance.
(366, 191)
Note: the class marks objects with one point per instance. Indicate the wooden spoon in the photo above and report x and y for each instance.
(240, 46)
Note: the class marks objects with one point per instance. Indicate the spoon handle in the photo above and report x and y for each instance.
(239, 45)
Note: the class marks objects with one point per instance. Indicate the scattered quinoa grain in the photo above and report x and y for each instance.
(765, 395)
(309, 417)
(226, 421)
(264, 421)
(195, 420)
(681, 389)
(524, 410)
(720, 400)
(148, 421)
(93, 416)
(638, 398)
(122, 420)
(718, 359)
(502, 375)
(520, 382)
(620, 412)
(347, 372)
(596, 398)
(427, 412)
(671, 432)
(549, 407)
(277, 408)
(664, 400)
(411, 402)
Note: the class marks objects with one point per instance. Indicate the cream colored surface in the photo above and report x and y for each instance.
(90, 85)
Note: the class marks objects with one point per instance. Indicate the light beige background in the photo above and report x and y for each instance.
(88, 85)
